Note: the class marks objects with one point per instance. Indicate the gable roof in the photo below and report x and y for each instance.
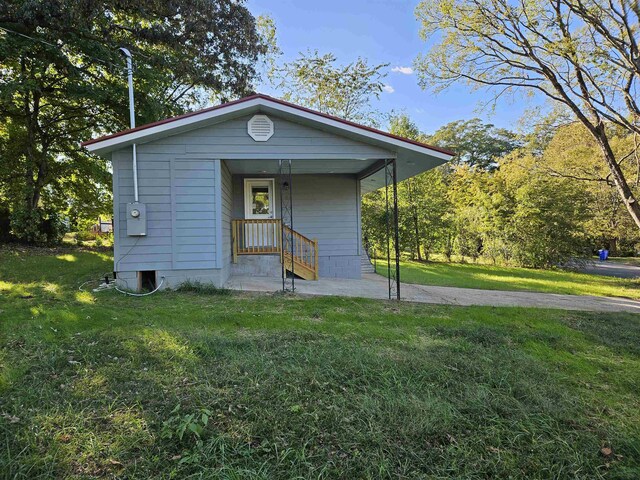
(260, 102)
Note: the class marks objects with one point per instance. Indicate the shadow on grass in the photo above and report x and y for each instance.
(294, 403)
(313, 387)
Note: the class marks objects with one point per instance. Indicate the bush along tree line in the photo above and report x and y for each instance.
(535, 201)
(63, 80)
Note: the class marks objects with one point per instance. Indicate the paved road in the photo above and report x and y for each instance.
(375, 286)
(611, 269)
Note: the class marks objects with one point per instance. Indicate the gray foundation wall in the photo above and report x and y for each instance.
(257, 265)
(173, 278)
(340, 266)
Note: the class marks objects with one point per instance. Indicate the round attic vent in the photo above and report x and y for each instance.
(260, 128)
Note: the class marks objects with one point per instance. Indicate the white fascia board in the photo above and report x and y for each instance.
(133, 137)
(358, 131)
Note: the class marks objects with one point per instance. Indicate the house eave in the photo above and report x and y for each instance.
(264, 104)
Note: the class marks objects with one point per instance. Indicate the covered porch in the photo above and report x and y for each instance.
(300, 218)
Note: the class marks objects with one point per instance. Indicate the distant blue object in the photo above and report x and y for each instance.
(604, 254)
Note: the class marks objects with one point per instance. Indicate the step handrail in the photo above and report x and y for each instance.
(305, 250)
(265, 238)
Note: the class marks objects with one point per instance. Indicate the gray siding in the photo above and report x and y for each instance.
(155, 251)
(226, 214)
(230, 139)
(181, 216)
(325, 207)
(194, 221)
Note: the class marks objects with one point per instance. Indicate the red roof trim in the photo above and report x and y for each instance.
(271, 99)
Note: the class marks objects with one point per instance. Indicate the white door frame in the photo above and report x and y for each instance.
(256, 235)
(265, 182)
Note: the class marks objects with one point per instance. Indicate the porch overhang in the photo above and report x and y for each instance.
(368, 170)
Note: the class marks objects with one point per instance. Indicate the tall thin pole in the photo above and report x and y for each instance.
(388, 221)
(293, 277)
(395, 225)
(132, 118)
(132, 114)
(282, 246)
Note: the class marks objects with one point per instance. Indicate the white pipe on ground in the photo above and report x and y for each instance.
(132, 118)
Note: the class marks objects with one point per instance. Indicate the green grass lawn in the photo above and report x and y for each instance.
(181, 385)
(492, 277)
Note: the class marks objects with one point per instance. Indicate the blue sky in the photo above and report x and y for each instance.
(382, 31)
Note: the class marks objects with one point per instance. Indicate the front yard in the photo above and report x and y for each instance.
(181, 384)
(496, 277)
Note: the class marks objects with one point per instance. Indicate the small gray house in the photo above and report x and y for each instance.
(203, 196)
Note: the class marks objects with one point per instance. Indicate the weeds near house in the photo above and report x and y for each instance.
(194, 286)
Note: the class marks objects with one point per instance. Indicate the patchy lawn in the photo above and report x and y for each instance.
(491, 277)
(181, 385)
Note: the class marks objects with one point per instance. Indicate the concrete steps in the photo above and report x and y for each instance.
(366, 264)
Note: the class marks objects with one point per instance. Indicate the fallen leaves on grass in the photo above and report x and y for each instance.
(10, 418)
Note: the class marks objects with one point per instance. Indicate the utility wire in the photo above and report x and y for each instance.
(100, 60)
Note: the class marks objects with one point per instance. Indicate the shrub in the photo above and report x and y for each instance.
(37, 226)
(86, 236)
(5, 224)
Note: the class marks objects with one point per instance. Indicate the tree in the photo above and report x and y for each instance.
(409, 198)
(477, 144)
(423, 205)
(518, 213)
(573, 154)
(422, 200)
(63, 81)
(582, 54)
(547, 224)
(345, 91)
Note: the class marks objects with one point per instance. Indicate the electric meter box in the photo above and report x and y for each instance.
(136, 219)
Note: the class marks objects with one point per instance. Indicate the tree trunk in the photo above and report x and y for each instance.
(616, 173)
(417, 230)
(414, 210)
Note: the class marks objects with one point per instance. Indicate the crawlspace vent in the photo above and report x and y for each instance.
(260, 128)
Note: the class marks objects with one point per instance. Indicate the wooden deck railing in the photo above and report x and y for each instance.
(261, 237)
(255, 237)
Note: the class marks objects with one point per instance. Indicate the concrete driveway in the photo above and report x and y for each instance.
(611, 269)
(375, 286)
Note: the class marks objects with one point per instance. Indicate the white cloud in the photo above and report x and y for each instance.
(403, 70)
(388, 89)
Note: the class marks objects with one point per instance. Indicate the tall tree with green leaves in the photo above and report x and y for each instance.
(63, 81)
(573, 154)
(423, 205)
(582, 54)
(477, 144)
(319, 82)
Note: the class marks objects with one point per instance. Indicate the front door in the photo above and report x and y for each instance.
(259, 205)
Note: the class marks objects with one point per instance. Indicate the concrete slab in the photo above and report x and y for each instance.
(375, 286)
(611, 269)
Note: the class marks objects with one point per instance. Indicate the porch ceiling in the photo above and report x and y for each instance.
(369, 171)
(346, 166)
